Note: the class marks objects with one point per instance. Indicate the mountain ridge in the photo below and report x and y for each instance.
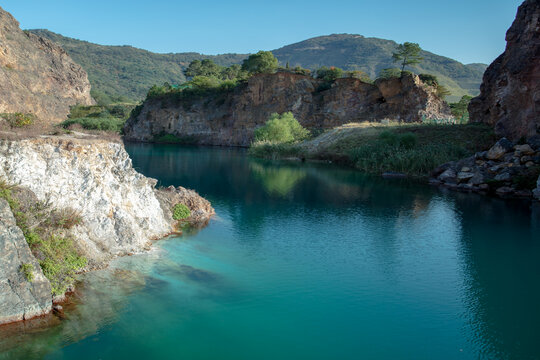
(129, 71)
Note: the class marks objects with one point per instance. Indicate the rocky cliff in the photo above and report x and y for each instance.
(19, 298)
(509, 96)
(230, 118)
(37, 76)
(120, 209)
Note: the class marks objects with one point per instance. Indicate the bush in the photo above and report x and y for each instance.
(428, 79)
(181, 212)
(96, 123)
(329, 74)
(273, 150)
(28, 271)
(389, 73)
(460, 109)
(18, 120)
(281, 129)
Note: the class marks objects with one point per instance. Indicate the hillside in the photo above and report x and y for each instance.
(130, 72)
(37, 78)
(356, 52)
(127, 71)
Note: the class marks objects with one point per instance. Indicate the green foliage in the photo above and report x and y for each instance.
(273, 150)
(358, 74)
(18, 120)
(173, 139)
(110, 117)
(381, 156)
(406, 140)
(57, 255)
(28, 271)
(407, 54)
(460, 109)
(60, 262)
(330, 74)
(205, 67)
(281, 129)
(125, 73)
(181, 212)
(103, 124)
(389, 73)
(442, 91)
(429, 79)
(261, 62)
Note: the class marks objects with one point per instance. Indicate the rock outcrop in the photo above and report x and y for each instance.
(504, 170)
(119, 206)
(37, 76)
(121, 210)
(20, 298)
(509, 96)
(230, 118)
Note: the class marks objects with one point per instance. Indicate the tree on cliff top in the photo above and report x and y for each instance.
(261, 62)
(408, 54)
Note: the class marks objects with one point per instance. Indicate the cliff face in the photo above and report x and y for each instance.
(509, 96)
(231, 118)
(37, 76)
(121, 210)
(19, 298)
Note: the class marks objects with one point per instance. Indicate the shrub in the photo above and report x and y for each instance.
(28, 271)
(281, 129)
(18, 120)
(329, 74)
(261, 62)
(389, 73)
(460, 109)
(96, 123)
(181, 212)
(429, 79)
(273, 150)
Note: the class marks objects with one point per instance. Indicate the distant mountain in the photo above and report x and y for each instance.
(356, 52)
(127, 71)
(130, 72)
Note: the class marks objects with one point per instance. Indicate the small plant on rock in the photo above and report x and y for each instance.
(181, 212)
(28, 271)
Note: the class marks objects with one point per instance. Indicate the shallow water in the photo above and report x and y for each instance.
(309, 261)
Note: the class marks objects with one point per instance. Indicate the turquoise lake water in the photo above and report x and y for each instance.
(308, 261)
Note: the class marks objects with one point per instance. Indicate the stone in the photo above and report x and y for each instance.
(534, 142)
(500, 148)
(465, 169)
(510, 90)
(529, 164)
(525, 159)
(20, 298)
(524, 149)
(504, 191)
(483, 187)
(477, 179)
(39, 77)
(464, 176)
(523, 193)
(481, 155)
(448, 176)
(505, 176)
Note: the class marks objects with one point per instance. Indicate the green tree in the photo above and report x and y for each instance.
(408, 54)
(261, 62)
(460, 109)
(281, 128)
(329, 74)
(205, 67)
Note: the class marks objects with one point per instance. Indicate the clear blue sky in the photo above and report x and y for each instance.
(466, 30)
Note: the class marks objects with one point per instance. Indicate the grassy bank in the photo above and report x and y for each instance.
(376, 148)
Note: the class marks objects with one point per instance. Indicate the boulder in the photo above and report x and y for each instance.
(500, 148)
(448, 176)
